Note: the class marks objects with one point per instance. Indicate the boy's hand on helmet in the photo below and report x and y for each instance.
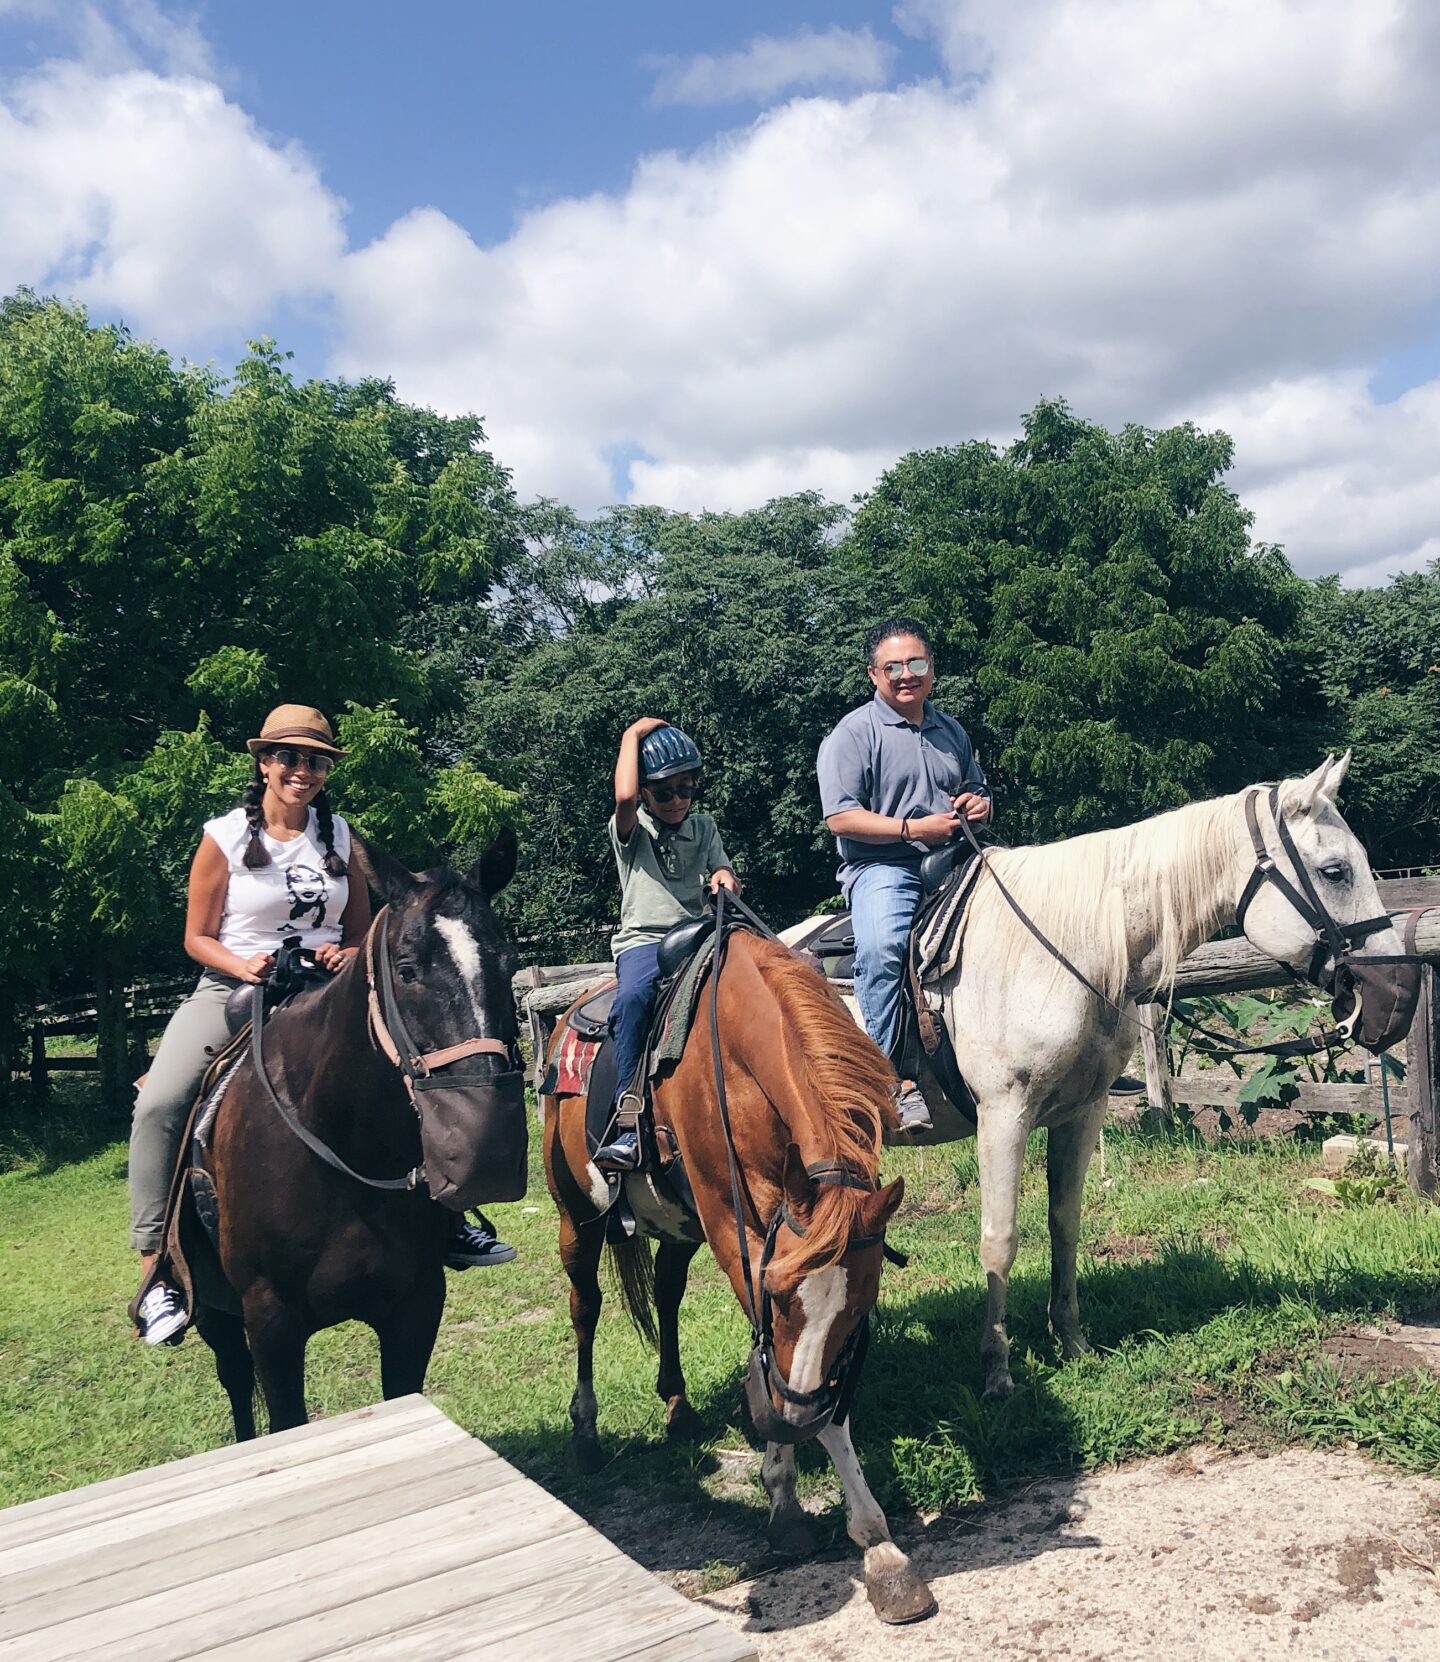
(725, 879)
(647, 725)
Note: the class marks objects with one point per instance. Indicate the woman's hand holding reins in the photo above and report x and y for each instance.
(334, 958)
(255, 969)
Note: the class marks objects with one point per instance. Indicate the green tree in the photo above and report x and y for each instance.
(1105, 627)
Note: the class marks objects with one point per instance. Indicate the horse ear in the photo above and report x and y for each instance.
(799, 1190)
(496, 866)
(1336, 776)
(877, 1210)
(1299, 795)
(389, 879)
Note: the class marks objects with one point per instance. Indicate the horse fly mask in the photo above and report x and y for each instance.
(1373, 995)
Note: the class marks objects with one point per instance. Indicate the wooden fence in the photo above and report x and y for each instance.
(148, 1006)
(544, 992)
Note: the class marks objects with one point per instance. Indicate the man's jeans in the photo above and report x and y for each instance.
(883, 901)
(637, 969)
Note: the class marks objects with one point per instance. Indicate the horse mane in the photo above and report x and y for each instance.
(1077, 892)
(850, 1091)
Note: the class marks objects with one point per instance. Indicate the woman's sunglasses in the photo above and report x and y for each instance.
(316, 760)
(911, 666)
(668, 793)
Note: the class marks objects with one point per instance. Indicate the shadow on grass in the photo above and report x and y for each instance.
(41, 1134)
(929, 1442)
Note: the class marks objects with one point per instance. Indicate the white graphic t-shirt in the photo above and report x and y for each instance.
(293, 895)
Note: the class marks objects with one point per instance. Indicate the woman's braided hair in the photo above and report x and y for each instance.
(256, 853)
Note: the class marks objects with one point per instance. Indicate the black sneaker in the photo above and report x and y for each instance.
(473, 1246)
(162, 1317)
(621, 1155)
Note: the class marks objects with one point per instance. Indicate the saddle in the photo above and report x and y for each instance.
(583, 1065)
(947, 876)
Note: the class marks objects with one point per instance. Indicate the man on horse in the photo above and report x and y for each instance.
(896, 777)
(664, 854)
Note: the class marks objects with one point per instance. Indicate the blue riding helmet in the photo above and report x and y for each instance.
(666, 752)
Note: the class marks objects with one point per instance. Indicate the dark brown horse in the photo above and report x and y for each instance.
(807, 1096)
(305, 1246)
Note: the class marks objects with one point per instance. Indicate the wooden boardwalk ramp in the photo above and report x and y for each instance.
(387, 1533)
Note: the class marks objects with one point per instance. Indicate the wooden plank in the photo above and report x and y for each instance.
(326, 1497)
(604, 1609)
(209, 1507)
(1408, 892)
(241, 1599)
(1423, 1082)
(1236, 966)
(233, 1463)
(1223, 1090)
(348, 1617)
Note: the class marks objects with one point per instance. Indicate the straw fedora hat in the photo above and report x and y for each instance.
(295, 723)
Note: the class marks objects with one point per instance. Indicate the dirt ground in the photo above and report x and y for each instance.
(1203, 1555)
(1207, 1554)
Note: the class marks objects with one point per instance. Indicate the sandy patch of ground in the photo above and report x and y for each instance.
(1203, 1555)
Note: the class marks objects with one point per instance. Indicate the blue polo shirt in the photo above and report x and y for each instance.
(873, 758)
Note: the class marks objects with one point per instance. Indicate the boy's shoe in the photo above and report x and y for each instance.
(623, 1154)
(162, 1317)
(473, 1246)
(913, 1110)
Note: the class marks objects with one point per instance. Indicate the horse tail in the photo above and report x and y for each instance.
(634, 1268)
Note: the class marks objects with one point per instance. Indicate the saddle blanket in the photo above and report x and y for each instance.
(572, 1065)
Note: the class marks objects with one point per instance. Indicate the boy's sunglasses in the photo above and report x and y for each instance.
(316, 760)
(911, 666)
(668, 793)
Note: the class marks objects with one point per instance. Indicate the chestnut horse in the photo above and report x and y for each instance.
(303, 1245)
(790, 1205)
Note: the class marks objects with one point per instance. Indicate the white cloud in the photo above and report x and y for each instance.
(1151, 210)
(769, 66)
(154, 197)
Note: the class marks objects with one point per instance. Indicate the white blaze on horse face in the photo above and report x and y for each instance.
(822, 1297)
(465, 950)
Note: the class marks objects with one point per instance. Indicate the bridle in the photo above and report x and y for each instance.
(1333, 941)
(393, 1039)
(830, 1401)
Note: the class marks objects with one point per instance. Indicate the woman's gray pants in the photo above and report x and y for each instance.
(194, 1033)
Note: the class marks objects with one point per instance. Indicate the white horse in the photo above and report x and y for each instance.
(1037, 1048)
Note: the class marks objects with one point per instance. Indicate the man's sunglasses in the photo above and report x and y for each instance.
(668, 793)
(316, 760)
(911, 666)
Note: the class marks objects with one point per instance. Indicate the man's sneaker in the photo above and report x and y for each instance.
(623, 1154)
(473, 1245)
(162, 1318)
(913, 1110)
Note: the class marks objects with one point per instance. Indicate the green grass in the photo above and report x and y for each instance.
(1210, 1279)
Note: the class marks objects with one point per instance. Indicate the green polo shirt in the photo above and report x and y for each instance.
(663, 870)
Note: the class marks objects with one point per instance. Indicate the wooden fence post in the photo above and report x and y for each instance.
(1424, 1086)
(39, 1068)
(1160, 1112)
(539, 1034)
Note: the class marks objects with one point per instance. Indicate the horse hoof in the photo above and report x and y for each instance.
(896, 1592)
(997, 1388)
(586, 1455)
(1074, 1347)
(792, 1539)
(682, 1423)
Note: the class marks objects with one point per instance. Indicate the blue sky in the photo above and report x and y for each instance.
(704, 254)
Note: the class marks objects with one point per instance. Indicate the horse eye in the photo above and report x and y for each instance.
(1336, 872)
(407, 973)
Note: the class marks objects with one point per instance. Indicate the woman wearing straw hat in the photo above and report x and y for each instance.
(273, 868)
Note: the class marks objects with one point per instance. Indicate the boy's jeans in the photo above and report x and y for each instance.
(883, 901)
(637, 969)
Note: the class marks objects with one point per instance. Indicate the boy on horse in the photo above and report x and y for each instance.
(896, 777)
(664, 855)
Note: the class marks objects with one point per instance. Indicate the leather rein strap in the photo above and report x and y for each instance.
(412, 1064)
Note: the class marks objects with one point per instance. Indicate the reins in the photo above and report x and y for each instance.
(414, 1066)
(836, 1390)
(1332, 939)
